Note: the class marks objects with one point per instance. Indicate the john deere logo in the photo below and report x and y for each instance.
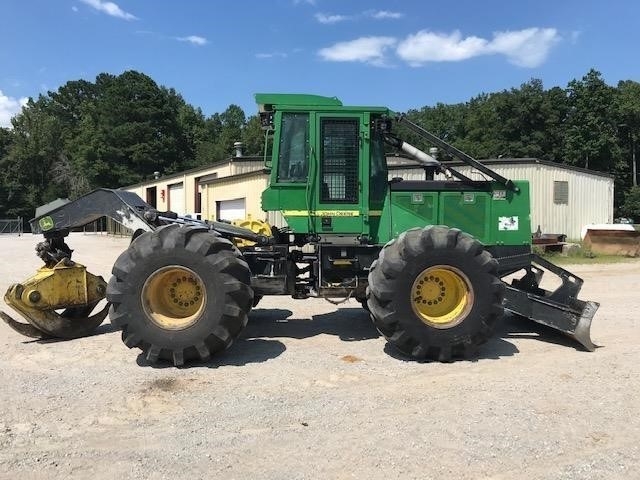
(46, 223)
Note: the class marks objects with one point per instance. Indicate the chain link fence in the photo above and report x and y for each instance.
(103, 225)
(11, 226)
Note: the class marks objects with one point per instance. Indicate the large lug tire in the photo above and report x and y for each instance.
(434, 293)
(180, 293)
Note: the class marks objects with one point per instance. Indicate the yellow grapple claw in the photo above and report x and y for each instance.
(67, 285)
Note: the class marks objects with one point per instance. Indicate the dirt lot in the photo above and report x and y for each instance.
(311, 391)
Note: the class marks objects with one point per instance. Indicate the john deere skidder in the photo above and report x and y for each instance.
(425, 258)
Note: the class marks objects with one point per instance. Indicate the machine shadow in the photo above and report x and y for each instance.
(101, 330)
(515, 326)
(348, 324)
(259, 341)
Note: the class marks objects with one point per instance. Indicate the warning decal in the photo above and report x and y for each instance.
(507, 223)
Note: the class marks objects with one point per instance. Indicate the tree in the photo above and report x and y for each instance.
(233, 122)
(631, 205)
(253, 137)
(36, 145)
(628, 107)
(591, 132)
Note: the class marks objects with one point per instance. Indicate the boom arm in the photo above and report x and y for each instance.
(453, 151)
(126, 208)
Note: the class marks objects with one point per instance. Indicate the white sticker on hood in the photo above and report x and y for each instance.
(507, 223)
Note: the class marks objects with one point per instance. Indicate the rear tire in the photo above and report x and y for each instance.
(179, 294)
(434, 293)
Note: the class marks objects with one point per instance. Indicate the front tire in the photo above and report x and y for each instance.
(180, 293)
(434, 293)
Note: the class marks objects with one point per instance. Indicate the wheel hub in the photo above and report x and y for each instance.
(173, 297)
(441, 296)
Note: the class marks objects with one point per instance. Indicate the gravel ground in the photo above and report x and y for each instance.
(311, 391)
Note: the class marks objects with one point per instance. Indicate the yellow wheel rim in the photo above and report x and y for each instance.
(442, 296)
(173, 297)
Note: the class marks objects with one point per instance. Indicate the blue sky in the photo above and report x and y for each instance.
(400, 54)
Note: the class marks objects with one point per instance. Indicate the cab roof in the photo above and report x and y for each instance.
(294, 101)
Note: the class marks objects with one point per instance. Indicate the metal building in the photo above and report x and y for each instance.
(227, 190)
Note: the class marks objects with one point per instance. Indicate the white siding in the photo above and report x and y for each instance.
(245, 167)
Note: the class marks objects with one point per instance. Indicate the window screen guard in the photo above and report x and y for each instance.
(339, 160)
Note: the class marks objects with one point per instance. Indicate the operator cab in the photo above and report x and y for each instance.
(328, 171)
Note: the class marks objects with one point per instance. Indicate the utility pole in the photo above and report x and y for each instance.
(633, 160)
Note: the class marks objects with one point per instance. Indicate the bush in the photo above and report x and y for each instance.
(631, 205)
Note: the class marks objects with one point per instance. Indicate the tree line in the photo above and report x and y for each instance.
(113, 132)
(119, 129)
(587, 124)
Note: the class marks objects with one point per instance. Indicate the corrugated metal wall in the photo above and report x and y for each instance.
(590, 196)
(245, 167)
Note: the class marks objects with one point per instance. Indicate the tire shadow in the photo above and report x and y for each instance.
(494, 349)
(259, 342)
(244, 351)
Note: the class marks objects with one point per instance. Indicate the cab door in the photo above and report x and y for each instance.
(341, 196)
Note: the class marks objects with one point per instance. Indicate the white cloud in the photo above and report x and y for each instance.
(193, 40)
(109, 8)
(426, 46)
(74, 8)
(384, 14)
(329, 19)
(306, 2)
(366, 49)
(526, 48)
(529, 47)
(271, 55)
(9, 107)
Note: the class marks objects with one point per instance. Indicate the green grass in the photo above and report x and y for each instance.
(584, 257)
(595, 260)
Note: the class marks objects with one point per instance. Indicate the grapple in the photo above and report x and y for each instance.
(65, 286)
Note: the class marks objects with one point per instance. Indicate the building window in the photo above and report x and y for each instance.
(561, 192)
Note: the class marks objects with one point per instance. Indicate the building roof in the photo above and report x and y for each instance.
(203, 168)
(398, 162)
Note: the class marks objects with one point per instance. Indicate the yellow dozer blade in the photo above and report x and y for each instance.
(67, 285)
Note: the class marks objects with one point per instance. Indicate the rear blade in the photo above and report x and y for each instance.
(572, 318)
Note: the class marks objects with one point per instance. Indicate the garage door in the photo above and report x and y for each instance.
(176, 198)
(231, 209)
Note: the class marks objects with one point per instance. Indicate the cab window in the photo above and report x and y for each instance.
(293, 157)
